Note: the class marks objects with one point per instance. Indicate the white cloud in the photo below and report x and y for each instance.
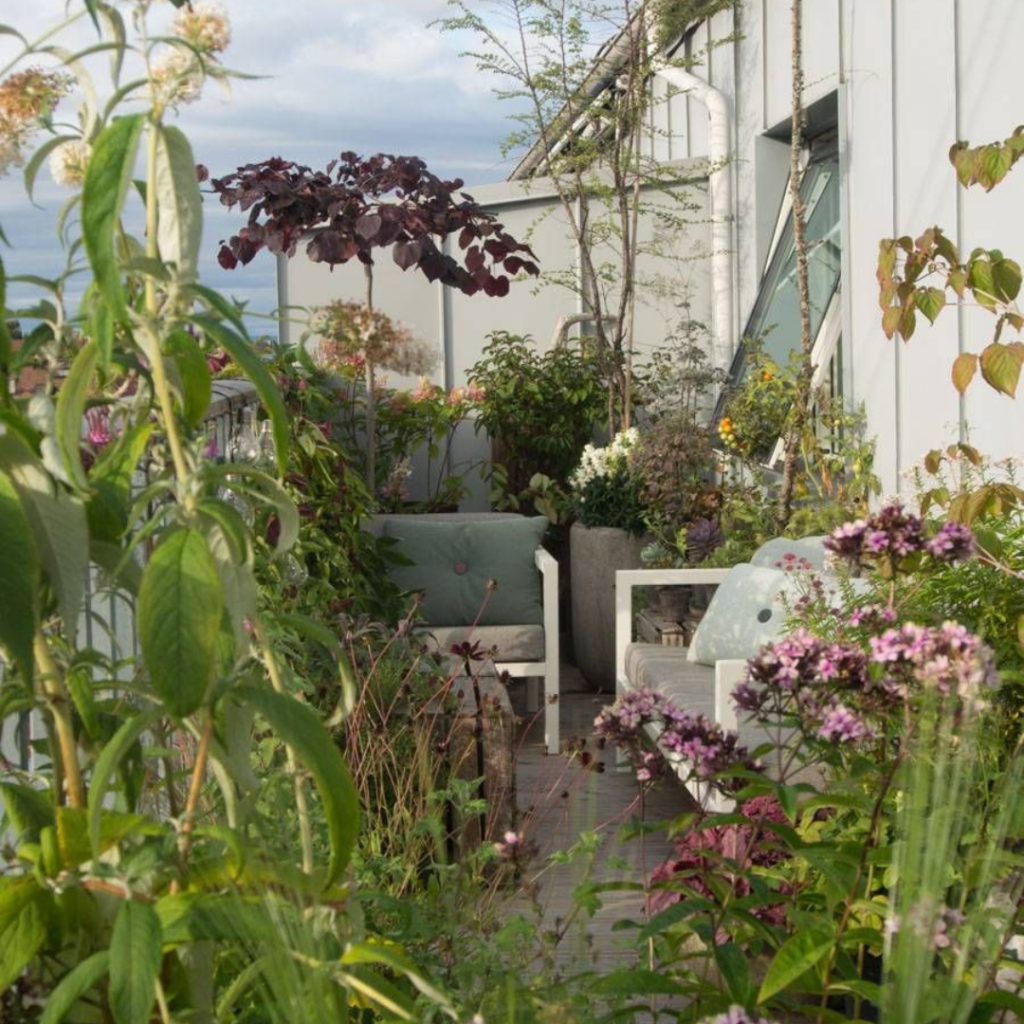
(366, 75)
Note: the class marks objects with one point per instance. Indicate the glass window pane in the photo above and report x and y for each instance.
(776, 317)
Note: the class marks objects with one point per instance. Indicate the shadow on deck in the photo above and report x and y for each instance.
(558, 800)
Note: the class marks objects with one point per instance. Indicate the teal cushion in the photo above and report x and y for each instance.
(452, 562)
(773, 552)
(745, 614)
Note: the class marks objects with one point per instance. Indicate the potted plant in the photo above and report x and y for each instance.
(609, 534)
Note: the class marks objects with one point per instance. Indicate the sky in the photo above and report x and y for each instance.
(365, 75)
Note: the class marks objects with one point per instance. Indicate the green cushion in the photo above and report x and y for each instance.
(745, 614)
(452, 562)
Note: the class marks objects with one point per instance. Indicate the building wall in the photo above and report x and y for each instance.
(912, 76)
(457, 325)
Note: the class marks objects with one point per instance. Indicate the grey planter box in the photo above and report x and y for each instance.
(596, 553)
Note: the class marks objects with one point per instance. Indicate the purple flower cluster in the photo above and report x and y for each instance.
(953, 543)
(705, 746)
(834, 689)
(925, 923)
(841, 725)
(800, 675)
(892, 535)
(947, 658)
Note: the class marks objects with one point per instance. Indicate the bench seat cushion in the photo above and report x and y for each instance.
(689, 685)
(665, 668)
(512, 643)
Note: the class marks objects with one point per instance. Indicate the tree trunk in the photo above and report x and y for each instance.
(797, 420)
(371, 401)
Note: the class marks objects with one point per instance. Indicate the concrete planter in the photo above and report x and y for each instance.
(596, 553)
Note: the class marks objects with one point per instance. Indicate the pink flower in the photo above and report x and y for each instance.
(99, 435)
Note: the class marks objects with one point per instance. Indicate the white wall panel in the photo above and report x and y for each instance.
(991, 106)
(820, 54)
(869, 191)
(925, 194)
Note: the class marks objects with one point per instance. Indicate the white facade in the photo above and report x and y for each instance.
(905, 78)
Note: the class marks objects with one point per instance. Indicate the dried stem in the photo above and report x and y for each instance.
(802, 399)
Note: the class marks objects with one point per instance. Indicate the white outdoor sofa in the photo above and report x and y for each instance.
(524, 650)
(752, 592)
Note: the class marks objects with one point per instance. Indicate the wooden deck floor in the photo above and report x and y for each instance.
(558, 800)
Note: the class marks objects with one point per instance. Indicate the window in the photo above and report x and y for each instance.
(775, 319)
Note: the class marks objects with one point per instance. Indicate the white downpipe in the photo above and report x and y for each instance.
(720, 197)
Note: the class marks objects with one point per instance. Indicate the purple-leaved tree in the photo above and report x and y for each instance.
(357, 205)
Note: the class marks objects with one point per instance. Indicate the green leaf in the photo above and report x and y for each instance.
(931, 302)
(242, 352)
(28, 810)
(297, 725)
(377, 990)
(39, 157)
(249, 480)
(965, 366)
(107, 177)
(111, 482)
(115, 750)
(1006, 277)
(73, 986)
(179, 614)
(22, 925)
(795, 958)
(982, 283)
(19, 570)
(58, 524)
(216, 302)
(196, 382)
(71, 409)
(735, 971)
(632, 981)
(136, 955)
(179, 202)
(1000, 366)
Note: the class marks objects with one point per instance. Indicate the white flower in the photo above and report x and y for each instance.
(205, 26)
(68, 162)
(176, 77)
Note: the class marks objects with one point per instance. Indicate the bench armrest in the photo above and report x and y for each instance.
(627, 579)
(548, 567)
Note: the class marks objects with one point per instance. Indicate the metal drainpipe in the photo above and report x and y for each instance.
(720, 189)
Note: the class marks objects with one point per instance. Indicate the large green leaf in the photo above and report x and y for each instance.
(194, 371)
(19, 570)
(58, 524)
(795, 958)
(71, 409)
(136, 954)
(73, 986)
(114, 752)
(241, 351)
(179, 202)
(28, 810)
(107, 177)
(298, 725)
(22, 925)
(180, 608)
